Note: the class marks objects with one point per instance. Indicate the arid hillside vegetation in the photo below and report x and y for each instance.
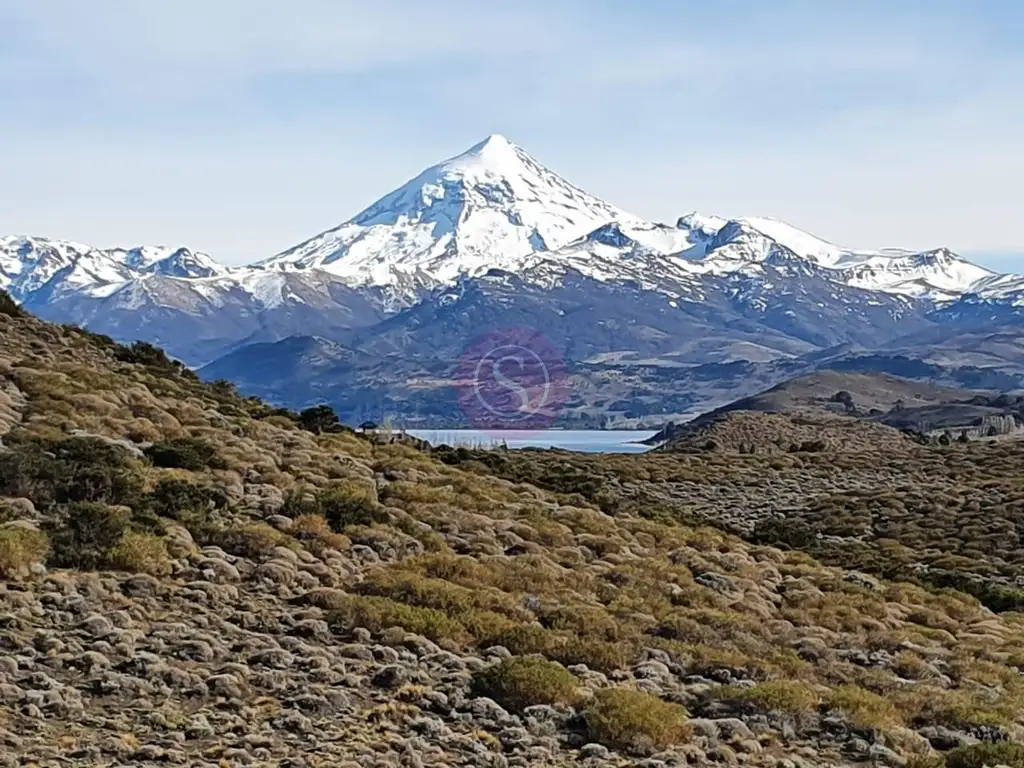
(192, 577)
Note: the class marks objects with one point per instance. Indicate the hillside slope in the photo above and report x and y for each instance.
(190, 577)
(855, 403)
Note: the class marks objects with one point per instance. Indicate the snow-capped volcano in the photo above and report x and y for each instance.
(496, 207)
(490, 207)
(492, 211)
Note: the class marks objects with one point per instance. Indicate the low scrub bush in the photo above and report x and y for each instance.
(862, 708)
(342, 505)
(952, 710)
(19, 549)
(189, 453)
(316, 534)
(350, 504)
(599, 655)
(522, 639)
(524, 681)
(256, 540)
(140, 552)
(320, 419)
(984, 754)
(184, 501)
(412, 589)
(88, 536)
(379, 613)
(634, 721)
(787, 696)
(75, 469)
(144, 353)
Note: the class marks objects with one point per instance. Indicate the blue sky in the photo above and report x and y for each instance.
(241, 127)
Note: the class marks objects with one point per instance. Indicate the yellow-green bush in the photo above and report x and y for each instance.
(190, 453)
(954, 709)
(19, 549)
(315, 532)
(342, 505)
(140, 552)
(635, 721)
(863, 708)
(983, 755)
(524, 681)
(788, 696)
(380, 613)
(254, 540)
(8, 306)
(596, 654)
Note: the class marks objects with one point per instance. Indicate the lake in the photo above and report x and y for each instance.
(585, 440)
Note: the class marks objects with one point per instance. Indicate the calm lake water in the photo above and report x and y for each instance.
(586, 440)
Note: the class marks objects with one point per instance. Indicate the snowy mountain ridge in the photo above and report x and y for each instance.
(491, 207)
(31, 264)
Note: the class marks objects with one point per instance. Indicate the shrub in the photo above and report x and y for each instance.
(599, 655)
(140, 552)
(255, 540)
(953, 710)
(181, 500)
(319, 419)
(523, 681)
(144, 353)
(223, 389)
(90, 534)
(379, 613)
(9, 306)
(315, 532)
(984, 754)
(416, 590)
(862, 708)
(75, 469)
(189, 453)
(350, 504)
(634, 721)
(342, 505)
(786, 696)
(20, 548)
(522, 639)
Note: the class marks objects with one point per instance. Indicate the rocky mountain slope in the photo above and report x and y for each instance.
(194, 578)
(492, 238)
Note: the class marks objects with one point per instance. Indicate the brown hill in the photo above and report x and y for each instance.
(817, 400)
(868, 392)
(773, 433)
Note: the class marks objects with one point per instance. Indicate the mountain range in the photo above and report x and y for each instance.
(654, 320)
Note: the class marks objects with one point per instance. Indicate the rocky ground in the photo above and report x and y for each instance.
(228, 662)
